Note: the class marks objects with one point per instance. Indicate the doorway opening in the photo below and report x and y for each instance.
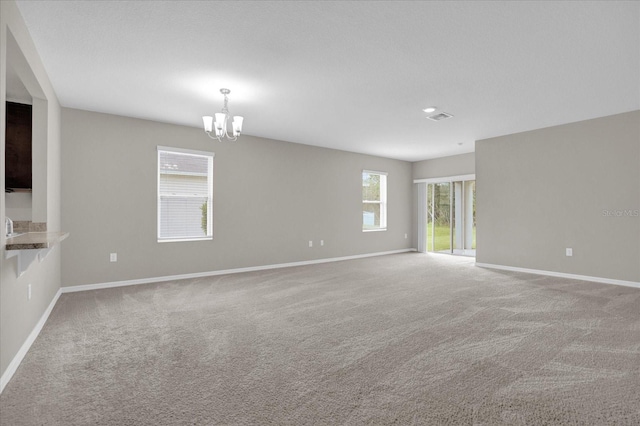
(448, 216)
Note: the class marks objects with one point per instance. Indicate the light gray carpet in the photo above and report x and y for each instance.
(401, 339)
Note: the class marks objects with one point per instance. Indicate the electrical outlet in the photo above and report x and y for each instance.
(321, 242)
(113, 257)
(405, 236)
(310, 243)
(29, 292)
(569, 251)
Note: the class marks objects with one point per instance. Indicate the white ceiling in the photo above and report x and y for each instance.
(347, 75)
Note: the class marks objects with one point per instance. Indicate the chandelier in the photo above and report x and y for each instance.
(220, 123)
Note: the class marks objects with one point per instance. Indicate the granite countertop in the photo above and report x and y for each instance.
(35, 240)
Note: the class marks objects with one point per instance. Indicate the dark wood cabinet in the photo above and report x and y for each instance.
(18, 147)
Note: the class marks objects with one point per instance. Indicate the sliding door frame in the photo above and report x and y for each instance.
(422, 188)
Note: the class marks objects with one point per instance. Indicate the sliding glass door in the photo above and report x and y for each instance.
(439, 217)
(448, 219)
(464, 218)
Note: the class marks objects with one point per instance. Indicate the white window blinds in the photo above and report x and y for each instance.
(185, 192)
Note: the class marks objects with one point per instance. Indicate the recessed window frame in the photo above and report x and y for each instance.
(211, 156)
(383, 202)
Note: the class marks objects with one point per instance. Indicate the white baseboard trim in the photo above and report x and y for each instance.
(72, 289)
(561, 275)
(22, 352)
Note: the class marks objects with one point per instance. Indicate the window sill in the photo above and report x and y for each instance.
(178, 240)
(374, 230)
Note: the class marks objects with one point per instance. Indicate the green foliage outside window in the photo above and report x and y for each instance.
(371, 188)
(203, 223)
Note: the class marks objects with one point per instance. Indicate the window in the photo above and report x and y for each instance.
(374, 201)
(185, 192)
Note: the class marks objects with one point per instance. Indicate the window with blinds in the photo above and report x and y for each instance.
(185, 193)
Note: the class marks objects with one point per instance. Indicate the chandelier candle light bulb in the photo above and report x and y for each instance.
(237, 125)
(208, 123)
(220, 123)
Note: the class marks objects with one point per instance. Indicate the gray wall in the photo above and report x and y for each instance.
(19, 316)
(455, 165)
(542, 191)
(270, 199)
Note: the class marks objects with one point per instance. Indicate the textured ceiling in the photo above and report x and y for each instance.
(347, 75)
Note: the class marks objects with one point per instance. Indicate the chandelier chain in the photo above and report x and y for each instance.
(225, 107)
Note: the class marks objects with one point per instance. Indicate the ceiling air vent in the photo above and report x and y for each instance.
(440, 116)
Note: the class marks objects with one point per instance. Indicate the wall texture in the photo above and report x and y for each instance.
(19, 316)
(575, 185)
(270, 199)
(455, 165)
